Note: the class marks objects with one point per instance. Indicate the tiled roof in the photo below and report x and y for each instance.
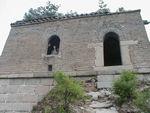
(57, 18)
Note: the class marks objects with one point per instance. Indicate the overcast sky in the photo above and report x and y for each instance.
(13, 10)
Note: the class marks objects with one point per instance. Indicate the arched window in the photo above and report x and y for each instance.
(112, 54)
(53, 45)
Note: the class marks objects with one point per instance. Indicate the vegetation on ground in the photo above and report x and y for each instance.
(125, 86)
(142, 101)
(66, 93)
(68, 90)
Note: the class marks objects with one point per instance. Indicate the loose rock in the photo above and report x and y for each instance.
(101, 105)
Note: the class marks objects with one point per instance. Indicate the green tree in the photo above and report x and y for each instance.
(125, 86)
(103, 7)
(68, 90)
(49, 10)
(142, 101)
(71, 13)
(121, 9)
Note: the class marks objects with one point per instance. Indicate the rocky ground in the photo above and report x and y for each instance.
(102, 100)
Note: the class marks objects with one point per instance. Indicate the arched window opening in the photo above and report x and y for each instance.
(53, 45)
(112, 54)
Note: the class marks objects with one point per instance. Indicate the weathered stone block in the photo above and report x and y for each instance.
(17, 107)
(14, 98)
(116, 77)
(16, 81)
(40, 90)
(28, 89)
(4, 81)
(3, 98)
(10, 89)
(3, 89)
(104, 84)
(30, 98)
(105, 78)
(47, 81)
(32, 81)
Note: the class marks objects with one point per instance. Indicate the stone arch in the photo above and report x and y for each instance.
(53, 45)
(111, 46)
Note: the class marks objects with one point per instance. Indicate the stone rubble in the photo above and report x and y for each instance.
(103, 100)
(94, 95)
(100, 103)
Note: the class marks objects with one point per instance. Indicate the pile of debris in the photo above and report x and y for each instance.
(101, 101)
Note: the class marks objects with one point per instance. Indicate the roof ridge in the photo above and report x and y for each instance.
(56, 18)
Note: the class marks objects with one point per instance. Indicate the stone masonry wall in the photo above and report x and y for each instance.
(18, 95)
(81, 44)
(106, 81)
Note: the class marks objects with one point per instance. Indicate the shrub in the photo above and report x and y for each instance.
(68, 90)
(125, 86)
(142, 101)
(47, 110)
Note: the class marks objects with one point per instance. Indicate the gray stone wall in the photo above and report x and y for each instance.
(81, 44)
(20, 92)
(106, 81)
(19, 95)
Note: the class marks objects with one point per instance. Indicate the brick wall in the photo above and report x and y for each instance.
(81, 44)
(18, 95)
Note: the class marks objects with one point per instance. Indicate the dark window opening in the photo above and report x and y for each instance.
(112, 54)
(49, 67)
(53, 45)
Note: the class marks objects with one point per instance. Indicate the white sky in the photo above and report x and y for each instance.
(13, 10)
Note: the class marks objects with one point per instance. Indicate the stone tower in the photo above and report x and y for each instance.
(91, 45)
